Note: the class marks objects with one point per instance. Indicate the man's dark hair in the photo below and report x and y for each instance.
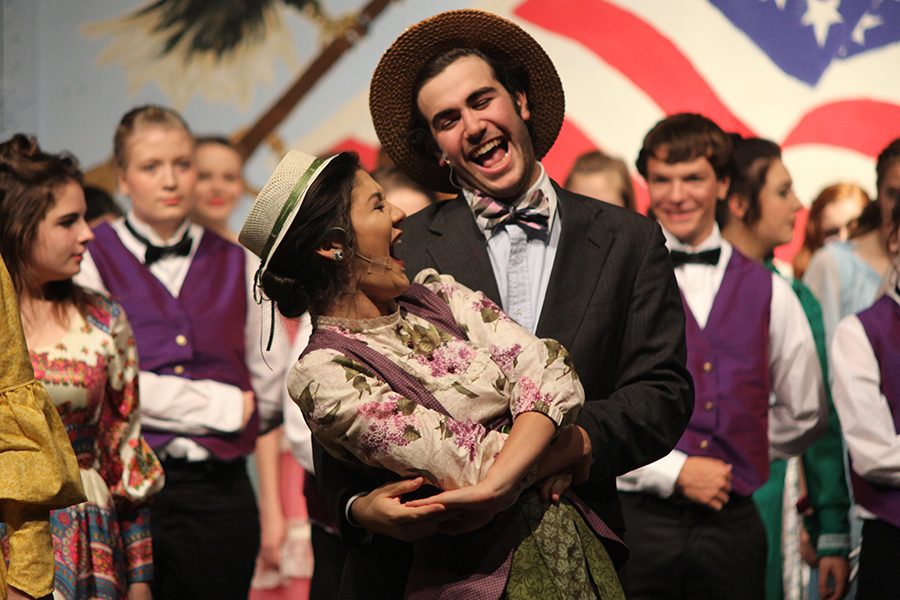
(684, 137)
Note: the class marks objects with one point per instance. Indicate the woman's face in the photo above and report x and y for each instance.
(835, 219)
(778, 207)
(219, 183)
(62, 237)
(602, 185)
(159, 176)
(376, 227)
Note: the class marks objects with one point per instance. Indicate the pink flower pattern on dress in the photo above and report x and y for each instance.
(530, 398)
(388, 427)
(449, 359)
(506, 357)
(466, 435)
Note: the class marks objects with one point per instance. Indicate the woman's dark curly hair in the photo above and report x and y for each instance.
(30, 180)
(298, 279)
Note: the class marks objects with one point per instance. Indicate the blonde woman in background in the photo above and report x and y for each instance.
(831, 216)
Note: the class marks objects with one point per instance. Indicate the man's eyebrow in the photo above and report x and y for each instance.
(478, 93)
(470, 99)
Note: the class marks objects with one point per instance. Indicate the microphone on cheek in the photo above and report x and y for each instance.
(381, 261)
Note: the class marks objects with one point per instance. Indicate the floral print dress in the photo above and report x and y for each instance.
(104, 544)
(501, 371)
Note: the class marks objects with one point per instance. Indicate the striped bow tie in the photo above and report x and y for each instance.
(532, 214)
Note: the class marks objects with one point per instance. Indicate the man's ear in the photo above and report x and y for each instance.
(737, 206)
(521, 100)
(722, 187)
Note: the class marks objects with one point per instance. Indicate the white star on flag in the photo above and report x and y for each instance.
(867, 22)
(822, 14)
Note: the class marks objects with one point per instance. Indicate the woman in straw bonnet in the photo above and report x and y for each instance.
(430, 380)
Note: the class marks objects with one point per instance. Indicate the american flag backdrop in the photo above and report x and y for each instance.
(820, 77)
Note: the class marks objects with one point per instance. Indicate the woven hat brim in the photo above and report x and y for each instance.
(278, 203)
(392, 101)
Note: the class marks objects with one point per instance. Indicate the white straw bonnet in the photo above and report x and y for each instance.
(277, 204)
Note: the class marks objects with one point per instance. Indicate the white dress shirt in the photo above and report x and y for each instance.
(296, 431)
(198, 407)
(524, 262)
(797, 406)
(866, 418)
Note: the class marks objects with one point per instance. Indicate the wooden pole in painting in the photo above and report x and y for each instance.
(249, 140)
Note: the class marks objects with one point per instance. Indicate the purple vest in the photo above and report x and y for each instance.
(198, 335)
(881, 322)
(729, 362)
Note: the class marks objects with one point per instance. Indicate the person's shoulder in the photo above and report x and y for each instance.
(612, 216)
(102, 311)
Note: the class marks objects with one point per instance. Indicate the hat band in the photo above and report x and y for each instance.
(288, 208)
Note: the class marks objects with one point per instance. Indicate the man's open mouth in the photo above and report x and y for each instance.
(490, 153)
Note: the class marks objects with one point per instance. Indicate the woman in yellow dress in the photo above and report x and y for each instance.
(38, 471)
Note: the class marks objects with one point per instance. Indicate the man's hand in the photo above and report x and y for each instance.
(834, 573)
(553, 487)
(706, 481)
(16, 594)
(382, 511)
(249, 405)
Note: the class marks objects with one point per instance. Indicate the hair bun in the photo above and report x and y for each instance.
(287, 293)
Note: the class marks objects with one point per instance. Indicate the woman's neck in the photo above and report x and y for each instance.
(357, 306)
(164, 230)
(747, 244)
(44, 321)
(220, 228)
(871, 247)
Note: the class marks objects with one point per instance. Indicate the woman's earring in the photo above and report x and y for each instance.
(338, 255)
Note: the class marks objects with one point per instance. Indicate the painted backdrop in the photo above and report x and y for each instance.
(818, 76)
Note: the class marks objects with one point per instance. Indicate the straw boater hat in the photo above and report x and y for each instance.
(277, 204)
(391, 99)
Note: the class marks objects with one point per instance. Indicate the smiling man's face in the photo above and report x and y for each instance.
(480, 128)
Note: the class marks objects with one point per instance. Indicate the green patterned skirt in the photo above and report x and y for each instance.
(558, 557)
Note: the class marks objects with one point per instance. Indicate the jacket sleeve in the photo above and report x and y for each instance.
(645, 415)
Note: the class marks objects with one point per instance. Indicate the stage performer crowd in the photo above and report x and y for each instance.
(452, 377)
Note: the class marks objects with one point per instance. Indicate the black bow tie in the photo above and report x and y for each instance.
(707, 257)
(154, 253)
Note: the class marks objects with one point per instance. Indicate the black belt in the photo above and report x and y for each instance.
(217, 467)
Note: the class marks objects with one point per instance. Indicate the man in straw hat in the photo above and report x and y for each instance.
(468, 102)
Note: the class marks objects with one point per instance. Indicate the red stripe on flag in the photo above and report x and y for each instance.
(866, 126)
(570, 143)
(650, 60)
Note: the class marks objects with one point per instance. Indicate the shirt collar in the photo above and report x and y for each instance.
(147, 231)
(712, 241)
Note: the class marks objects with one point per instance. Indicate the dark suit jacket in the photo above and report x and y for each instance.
(612, 300)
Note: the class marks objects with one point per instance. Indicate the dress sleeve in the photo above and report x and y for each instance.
(353, 413)
(127, 464)
(540, 371)
(38, 470)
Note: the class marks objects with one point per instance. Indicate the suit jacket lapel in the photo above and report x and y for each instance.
(584, 245)
(454, 249)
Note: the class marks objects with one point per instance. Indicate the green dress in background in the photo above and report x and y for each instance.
(823, 466)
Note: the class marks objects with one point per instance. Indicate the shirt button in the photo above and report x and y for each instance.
(179, 369)
(708, 406)
(180, 340)
(707, 367)
(704, 443)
